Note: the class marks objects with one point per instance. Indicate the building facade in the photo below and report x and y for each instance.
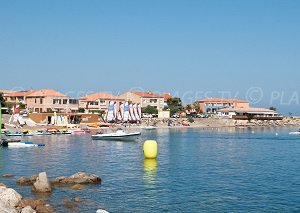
(144, 98)
(98, 102)
(212, 105)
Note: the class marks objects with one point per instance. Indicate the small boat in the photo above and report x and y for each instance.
(18, 144)
(14, 134)
(79, 131)
(119, 135)
(295, 133)
(149, 127)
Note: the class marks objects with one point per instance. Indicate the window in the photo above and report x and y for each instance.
(35, 100)
(56, 101)
(102, 102)
(65, 101)
(41, 101)
(153, 101)
(73, 101)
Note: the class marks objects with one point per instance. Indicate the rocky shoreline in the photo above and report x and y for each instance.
(12, 202)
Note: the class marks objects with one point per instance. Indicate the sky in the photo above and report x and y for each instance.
(193, 49)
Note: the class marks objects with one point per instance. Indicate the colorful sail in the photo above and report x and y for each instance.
(121, 112)
(131, 113)
(135, 111)
(126, 112)
(110, 112)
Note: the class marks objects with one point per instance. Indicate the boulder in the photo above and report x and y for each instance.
(77, 178)
(9, 197)
(8, 175)
(28, 202)
(42, 184)
(44, 209)
(28, 209)
(77, 199)
(25, 181)
(7, 209)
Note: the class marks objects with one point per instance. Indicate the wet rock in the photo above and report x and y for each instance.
(25, 181)
(101, 211)
(28, 209)
(77, 187)
(7, 209)
(71, 206)
(2, 185)
(8, 175)
(28, 202)
(67, 200)
(42, 184)
(44, 209)
(9, 197)
(78, 178)
(39, 202)
(77, 200)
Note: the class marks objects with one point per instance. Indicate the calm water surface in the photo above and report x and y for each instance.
(196, 171)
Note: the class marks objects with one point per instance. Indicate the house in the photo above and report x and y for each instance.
(166, 96)
(144, 98)
(98, 101)
(17, 97)
(249, 113)
(212, 105)
(48, 100)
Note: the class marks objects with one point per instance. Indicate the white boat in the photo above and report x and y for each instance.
(149, 127)
(119, 135)
(295, 133)
(21, 144)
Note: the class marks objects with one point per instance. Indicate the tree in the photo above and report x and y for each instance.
(81, 110)
(2, 100)
(174, 105)
(272, 108)
(150, 110)
(188, 107)
(197, 107)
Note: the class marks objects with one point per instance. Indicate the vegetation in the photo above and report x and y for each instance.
(2, 101)
(174, 105)
(190, 120)
(81, 110)
(272, 108)
(150, 110)
(188, 107)
(197, 107)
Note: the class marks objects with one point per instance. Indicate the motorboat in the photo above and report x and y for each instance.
(295, 133)
(79, 131)
(19, 144)
(119, 135)
(149, 127)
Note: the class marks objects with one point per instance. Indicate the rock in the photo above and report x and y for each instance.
(71, 206)
(9, 197)
(67, 200)
(77, 187)
(28, 202)
(28, 209)
(2, 185)
(42, 184)
(101, 211)
(7, 209)
(44, 209)
(39, 202)
(77, 199)
(78, 178)
(24, 181)
(8, 175)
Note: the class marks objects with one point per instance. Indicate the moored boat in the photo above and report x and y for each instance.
(119, 135)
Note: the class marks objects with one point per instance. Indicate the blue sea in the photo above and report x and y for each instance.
(197, 170)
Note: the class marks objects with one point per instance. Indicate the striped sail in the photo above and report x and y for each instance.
(110, 112)
(126, 112)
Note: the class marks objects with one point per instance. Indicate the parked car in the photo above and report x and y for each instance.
(176, 116)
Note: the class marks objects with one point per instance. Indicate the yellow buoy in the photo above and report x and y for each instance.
(150, 149)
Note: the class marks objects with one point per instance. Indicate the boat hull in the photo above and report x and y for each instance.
(125, 137)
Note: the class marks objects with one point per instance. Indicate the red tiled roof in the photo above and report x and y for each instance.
(166, 96)
(222, 100)
(147, 94)
(20, 93)
(97, 96)
(46, 92)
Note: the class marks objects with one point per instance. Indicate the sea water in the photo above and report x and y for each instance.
(197, 170)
